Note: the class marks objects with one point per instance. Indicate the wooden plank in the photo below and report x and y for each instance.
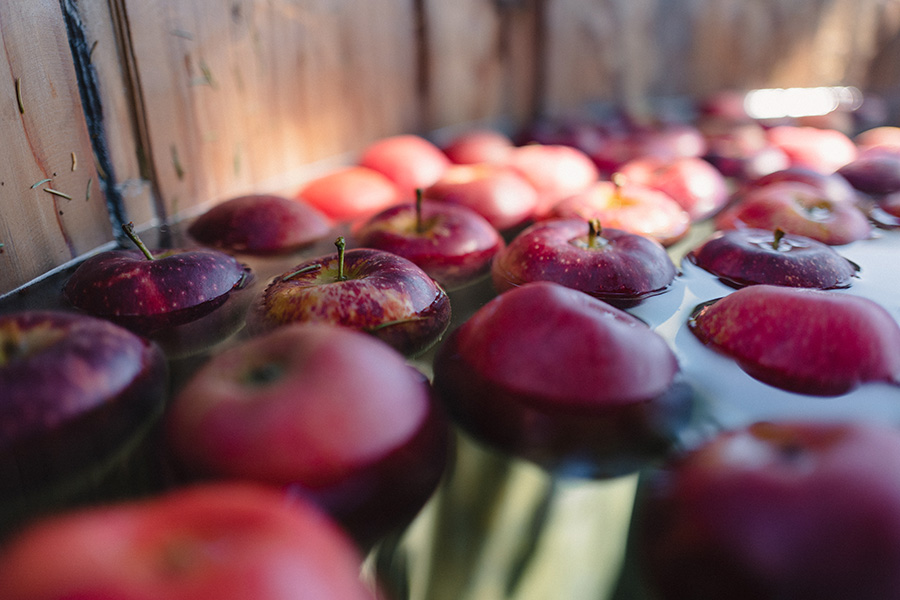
(238, 95)
(45, 139)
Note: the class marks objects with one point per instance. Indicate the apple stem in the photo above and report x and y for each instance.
(341, 245)
(594, 232)
(779, 234)
(128, 228)
(420, 227)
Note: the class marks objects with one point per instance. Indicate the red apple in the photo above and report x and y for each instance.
(557, 377)
(618, 267)
(410, 161)
(800, 510)
(741, 150)
(478, 146)
(148, 292)
(803, 340)
(74, 388)
(833, 186)
(498, 193)
(453, 244)
(325, 412)
(799, 209)
(215, 542)
(665, 141)
(743, 257)
(366, 289)
(693, 183)
(260, 224)
(555, 171)
(882, 136)
(876, 171)
(825, 150)
(630, 207)
(350, 193)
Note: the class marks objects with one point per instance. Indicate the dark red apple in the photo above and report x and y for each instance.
(214, 542)
(799, 209)
(147, 292)
(807, 341)
(478, 146)
(697, 186)
(832, 185)
(825, 150)
(630, 207)
(497, 192)
(260, 224)
(741, 150)
(453, 244)
(800, 510)
(615, 266)
(875, 171)
(74, 388)
(560, 378)
(410, 161)
(366, 289)
(741, 257)
(350, 193)
(322, 411)
(556, 172)
(662, 140)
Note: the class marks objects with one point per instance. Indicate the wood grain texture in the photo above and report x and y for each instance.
(44, 138)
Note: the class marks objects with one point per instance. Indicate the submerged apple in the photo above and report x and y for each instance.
(803, 340)
(742, 257)
(366, 289)
(560, 378)
(451, 243)
(613, 265)
(800, 510)
(147, 292)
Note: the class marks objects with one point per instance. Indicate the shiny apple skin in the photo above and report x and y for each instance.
(143, 295)
(76, 388)
(800, 510)
(410, 161)
(500, 194)
(455, 246)
(808, 341)
(633, 208)
(213, 542)
(742, 257)
(697, 186)
(350, 193)
(260, 224)
(622, 269)
(552, 375)
(875, 171)
(799, 209)
(384, 294)
(322, 411)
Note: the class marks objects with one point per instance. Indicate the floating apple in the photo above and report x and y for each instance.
(875, 171)
(743, 257)
(825, 150)
(799, 209)
(615, 266)
(630, 207)
(833, 186)
(214, 542)
(453, 244)
(410, 161)
(553, 375)
(697, 186)
(366, 289)
(803, 340)
(350, 193)
(497, 192)
(322, 411)
(478, 146)
(800, 510)
(662, 140)
(74, 388)
(260, 224)
(148, 292)
(741, 150)
(556, 172)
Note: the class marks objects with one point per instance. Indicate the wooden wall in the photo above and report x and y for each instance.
(149, 110)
